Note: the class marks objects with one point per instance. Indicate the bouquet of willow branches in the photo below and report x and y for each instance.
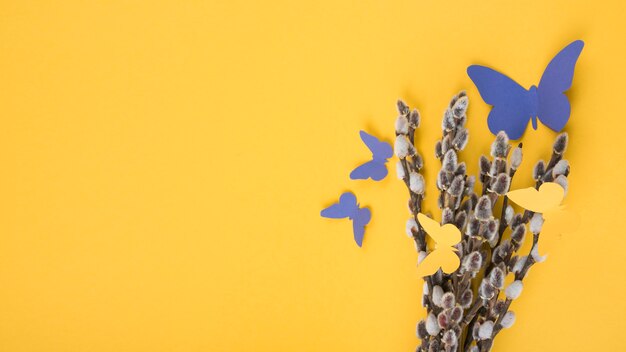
(469, 307)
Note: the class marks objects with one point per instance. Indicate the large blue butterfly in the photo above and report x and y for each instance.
(374, 169)
(349, 208)
(513, 105)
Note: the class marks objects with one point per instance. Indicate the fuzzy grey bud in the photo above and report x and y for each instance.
(460, 219)
(469, 184)
(483, 209)
(473, 227)
(437, 295)
(489, 229)
(421, 255)
(433, 346)
(536, 223)
(416, 183)
(539, 170)
(461, 169)
(500, 146)
(414, 118)
(449, 338)
(400, 170)
(443, 320)
(508, 320)
(459, 104)
(561, 180)
(461, 139)
(443, 180)
(516, 157)
(473, 262)
(514, 290)
(446, 144)
(447, 300)
(456, 314)
(484, 165)
(517, 220)
(501, 251)
(500, 185)
(475, 331)
(560, 144)
(438, 150)
(402, 125)
(498, 166)
(432, 326)
(421, 330)
(403, 147)
(447, 216)
(499, 308)
(447, 123)
(486, 290)
(508, 214)
(561, 168)
(518, 234)
(534, 253)
(411, 227)
(486, 329)
(519, 264)
(496, 278)
(466, 298)
(457, 186)
(403, 109)
(418, 162)
(449, 161)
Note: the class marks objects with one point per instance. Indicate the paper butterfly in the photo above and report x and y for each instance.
(348, 208)
(513, 105)
(546, 201)
(444, 256)
(375, 169)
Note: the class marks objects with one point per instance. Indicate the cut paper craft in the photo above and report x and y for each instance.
(514, 105)
(547, 201)
(349, 208)
(444, 256)
(375, 169)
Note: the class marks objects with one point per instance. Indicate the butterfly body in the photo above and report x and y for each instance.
(349, 208)
(514, 106)
(444, 255)
(533, 102)
(376, 168)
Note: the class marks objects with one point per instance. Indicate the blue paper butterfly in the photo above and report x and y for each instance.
(513, 105)
(348, 208)
(375, 169)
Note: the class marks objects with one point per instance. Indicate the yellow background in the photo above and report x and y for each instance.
(164, 164)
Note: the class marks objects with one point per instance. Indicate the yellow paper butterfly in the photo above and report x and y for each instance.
(547, 201)
(444, 256)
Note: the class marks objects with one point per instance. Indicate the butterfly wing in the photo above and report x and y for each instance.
(346, 207)
(371, 169)
(546, 199)
(362, 218)
(444, 258)
(381, 151)
(553, 106)
(446, 235)
(511, 102)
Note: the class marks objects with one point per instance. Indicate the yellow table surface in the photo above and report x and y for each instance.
(164, 164)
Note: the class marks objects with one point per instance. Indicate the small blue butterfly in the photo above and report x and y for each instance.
(375, 169)
(348, 208)
(513, 105)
